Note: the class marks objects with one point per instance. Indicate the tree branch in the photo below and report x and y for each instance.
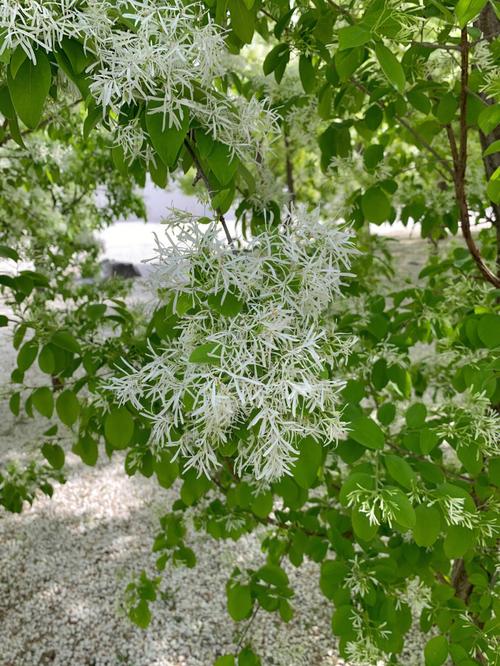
(435, 46)
(459, 154)
(443, 161)
(206, 182)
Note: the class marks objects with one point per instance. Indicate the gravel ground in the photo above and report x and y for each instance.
(65, 562)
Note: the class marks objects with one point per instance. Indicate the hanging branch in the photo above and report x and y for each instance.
(203, 176)
(459, 156)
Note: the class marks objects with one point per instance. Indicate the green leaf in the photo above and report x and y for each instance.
(400, 471)
(373, 155)
(222, 200)
(415, 415)
(226, 304)
(427, 525)
(331, 577)
(247, 657)
(166, 141)
(209, 352)
(119, 427)
(347, 62)
(222, 164)
(76, 54)
(119, 161)
(334, 141)
(277, 56)
(16, 60)
(140, 614)
(67, 407)
(8, 252)
(391, 66)
(466, 10)
(27, 354)
(239, 602)
(194, 487)
(447, 107)
(488, 330)
(66, 340)
(489, 118)
(355, 481)
(262, 505)
(374, 117)
(166, 470)
(492, 148)
(285, 610)
(458, 541)
(46, 360)
(307, 73)
(428, 440)
(386, 413)
(7, 109)
(419, 101)
(15, 403)
(87, 449)
(273, 574)
(43, 401)
(225, 660)
(375, 205)
(493, 187)
(29, 89)
(342, 622)
(366, 432)
(404, 513)
(305, 470)
(242, 20)
(352, 36)
(54, 454)
(159, 174)
(362, 527)
(436, 651)
(354, 391)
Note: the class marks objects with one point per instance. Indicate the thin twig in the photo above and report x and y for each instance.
(435, 46)
(443, 161)
(206, 182)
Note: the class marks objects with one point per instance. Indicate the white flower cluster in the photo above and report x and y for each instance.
(468, 418)
(359, 580)
(378, 505)
(166, 55)
(266, 380)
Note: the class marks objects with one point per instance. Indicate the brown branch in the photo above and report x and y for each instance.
(443, 161)
(206, 182)
(453, 144)
(459, 155)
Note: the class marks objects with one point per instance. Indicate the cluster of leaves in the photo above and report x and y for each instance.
(402, 515)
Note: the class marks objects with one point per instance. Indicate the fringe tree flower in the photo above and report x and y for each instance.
(249, 365)
(168, 57)
(468, 419)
